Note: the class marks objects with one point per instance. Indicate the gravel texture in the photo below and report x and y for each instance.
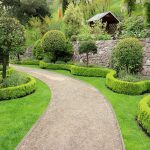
(78, 117)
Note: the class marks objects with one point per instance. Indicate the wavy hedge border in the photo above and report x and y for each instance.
(116, 85)
(144, 113)
(18, 91)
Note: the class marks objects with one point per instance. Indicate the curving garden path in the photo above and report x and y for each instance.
(78, 117)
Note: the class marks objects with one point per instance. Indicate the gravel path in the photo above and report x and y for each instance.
(78, 117)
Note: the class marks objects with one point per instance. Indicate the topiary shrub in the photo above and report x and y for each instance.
(43, 65)
(128, 55)
(87, 47)
(18, 91)
(38, 51)
(144, 113)
(54, 42)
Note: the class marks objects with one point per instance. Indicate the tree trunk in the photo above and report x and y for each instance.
(18, 56)
(4, 64)
(87, 59)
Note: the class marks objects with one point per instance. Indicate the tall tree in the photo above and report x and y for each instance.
(23, 9)
(12, 36)
(130, 6)
(147, 12)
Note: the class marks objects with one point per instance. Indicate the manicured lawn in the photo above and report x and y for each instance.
(17, 116)
(125, 107)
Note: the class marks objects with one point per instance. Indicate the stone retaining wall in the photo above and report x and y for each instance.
(103, 55)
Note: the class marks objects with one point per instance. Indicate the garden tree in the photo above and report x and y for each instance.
(73, 20)
(55, 44)
(128, 55)
(64, 5)
(130, 6)
(12, 36)
(24, 9)
(87, 47)
(147, 12)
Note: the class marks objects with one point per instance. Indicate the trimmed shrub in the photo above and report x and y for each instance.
(116, 85)
(43, 65)
(54, 42)
(90, 72)
(38, 51)
(124, 87)
(29, 62)
(18, 91)
(128, 55)
(144, 113)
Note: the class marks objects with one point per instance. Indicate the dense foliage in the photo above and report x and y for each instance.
(55, 44)
(133, 27)
(147, 12)
(38, 50)
(128, 55)
(73, 20)
(12, 36)
(25, 9)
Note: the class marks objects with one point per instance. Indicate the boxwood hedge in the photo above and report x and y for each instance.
(18, 91)
(116, 85)
(144, 113)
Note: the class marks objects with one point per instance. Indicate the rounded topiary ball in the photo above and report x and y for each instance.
(128, 55)
(54, 41)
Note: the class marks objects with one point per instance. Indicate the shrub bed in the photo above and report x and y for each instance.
(116, 85)
(26, 62)
(124, 87)
(90, 72)
(144, 113)
(18, 91)
(9, 71)
(29, 62)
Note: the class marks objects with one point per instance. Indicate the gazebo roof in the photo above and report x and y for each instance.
(102, 15)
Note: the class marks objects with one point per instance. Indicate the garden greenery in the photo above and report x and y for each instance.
(119, 86)
(19, 90)
(38, 50)
(144, 113)
(128, 55)
(86, 48)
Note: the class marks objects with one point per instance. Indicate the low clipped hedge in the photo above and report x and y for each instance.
(29, 62)
(116, 85)
(76, 70)
(26, 62)
(144, 113)
(18, 91)
(124, 87)
(91, 72)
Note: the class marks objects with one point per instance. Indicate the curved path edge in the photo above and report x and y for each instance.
(78, 118)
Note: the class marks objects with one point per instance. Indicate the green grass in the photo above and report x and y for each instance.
(17, 116)
(125, 107)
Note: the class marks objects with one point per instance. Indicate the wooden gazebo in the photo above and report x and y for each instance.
(107, 17)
